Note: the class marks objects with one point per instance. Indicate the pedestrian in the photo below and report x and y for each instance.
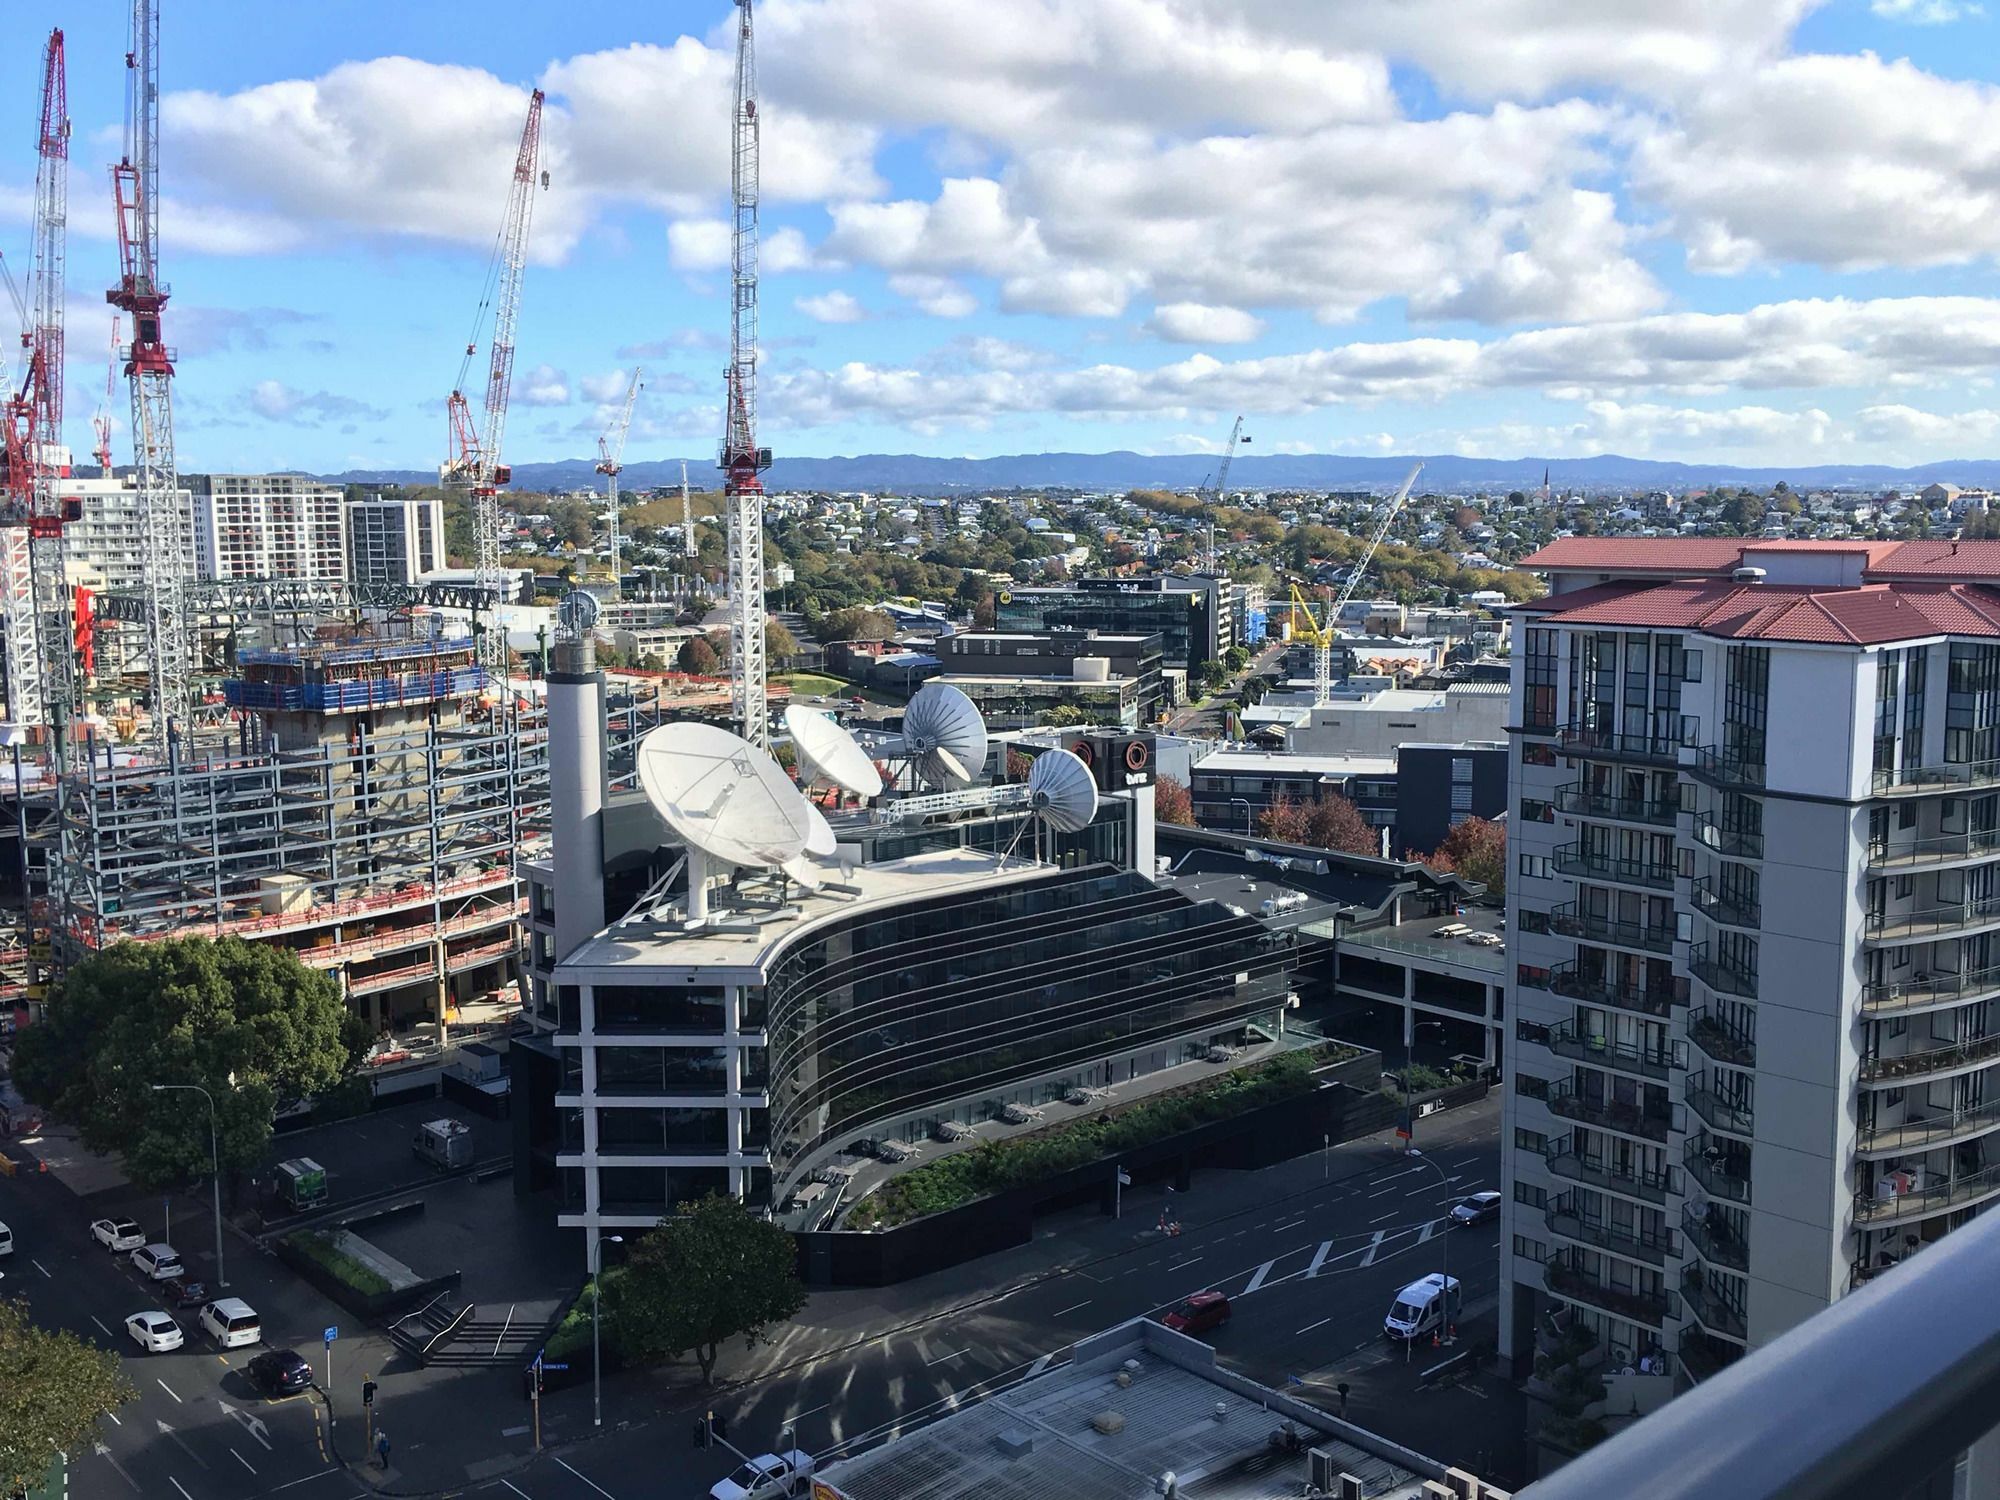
(382, 1449)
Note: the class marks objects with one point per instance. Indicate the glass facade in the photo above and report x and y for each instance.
(1118, 607)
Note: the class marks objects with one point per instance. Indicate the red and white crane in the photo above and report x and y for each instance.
(100, 420)
(474, 461)
(742, 461)
(149, 370)
(611, 463)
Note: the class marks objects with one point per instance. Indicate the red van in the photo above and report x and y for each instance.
(1202, 1313)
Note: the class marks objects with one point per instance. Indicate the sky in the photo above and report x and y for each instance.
(1743, 231)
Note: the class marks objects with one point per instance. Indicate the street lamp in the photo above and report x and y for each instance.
(214, 1167)
(1247, 810)
(596, 1346)
(1444, 1245)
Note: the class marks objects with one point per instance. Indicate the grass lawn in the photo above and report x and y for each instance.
(813, 684)
(318, 1247)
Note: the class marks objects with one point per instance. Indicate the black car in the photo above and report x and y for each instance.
(1476, 1209)
(279, 1372)
(181, 1292)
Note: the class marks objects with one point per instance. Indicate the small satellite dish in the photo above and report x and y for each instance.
(820, 842)
(827, 752)
(577, 612)
(723, 796)
(944, 738)
(1062, 791)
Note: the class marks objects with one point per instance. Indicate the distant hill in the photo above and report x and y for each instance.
(917, 474)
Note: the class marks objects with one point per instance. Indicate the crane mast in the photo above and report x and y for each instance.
(149, 370)
(474, 461)
(1222, 482)
(611, 461)
(54, 646)
(689, 548)
(1323, 653)
(100, 420)
(741, 460)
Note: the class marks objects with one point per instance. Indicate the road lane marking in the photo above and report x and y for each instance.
(177, 1485)
(809, 1411)
(40, 1267)
(1380, 1191)
(168, 1389)
(241, 1460)
(1183, 1265)
(310, 1478)
(1383, 1220)
(1311, 1326)
(1319, 1258)
(1430, 1228)
(1258, 1280)
(1039, 1365)
(1283, 1227)
(943, 1357)
(107, 1332)
(105, 1454)
(1374, 1245)
(1068, 1310)
(591, 1482)
(515, 1488)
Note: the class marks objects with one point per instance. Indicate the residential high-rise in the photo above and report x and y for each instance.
(1754, 921)
(268, 526)
(394, 538)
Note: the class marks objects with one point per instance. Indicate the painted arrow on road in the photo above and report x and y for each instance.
(252, 1425)
(166, 1431)
(105, 1454)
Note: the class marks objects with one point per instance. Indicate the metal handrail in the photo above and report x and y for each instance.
(1736, 843)
(1934, 1060)
(1932, 1130)
(1581, 740)
(1973, 842)
(1562, 1218)
(1718, 907)
(1891, 780)
(1730, 770)
(1567, 921)
(1567, 1041)
(1722, 1040)
(1564, 1162)
(1565, 1280)
(1581, 800)
(1653, 1124)
(1714, 1239)
(1868, 1209)
(1721, 1114)
(1710, 1173)
(1564, 980)
(1726, 975)
(1709, 1307)
(1574, 859)
(1934, 919)
(1891, 996)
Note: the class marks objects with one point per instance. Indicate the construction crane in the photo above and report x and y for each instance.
(611, 461)
(690, 548)
(149, 371)
(1323, 637)
(100, 420)
(53, 634)
(1222, 483)
(474, 462)
(741, 460)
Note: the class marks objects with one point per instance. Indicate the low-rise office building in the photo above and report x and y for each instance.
(1085, 657)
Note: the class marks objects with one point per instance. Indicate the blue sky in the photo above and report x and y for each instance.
(1759, 231)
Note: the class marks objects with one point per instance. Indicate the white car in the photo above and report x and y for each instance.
(763, 1477)
(157, 1262)
(154, 1332)
(118, 1235)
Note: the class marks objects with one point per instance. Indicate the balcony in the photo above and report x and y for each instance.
(1580, 800)
(1722, 972)
(1652, 1187)
(1725, 1174)
(1703, 1355)
(1653, 1124)
(1725, 907)
(1730, 1116)
(1572, 1285)
(1735, 843)
(1943, 849)
(1935, 1130)
(1647, 1245)
(1564, 980)
(1713, 1239)
(1570, 922)
(1725, 768)
(1929, 992)
(1715, 1313)
(1722, 1040)
(1877, 1211)
(1648, 1062)
(1951, 776)
(1604, 744)
(1934, 921)
(1911, 1066)
(1573, 859)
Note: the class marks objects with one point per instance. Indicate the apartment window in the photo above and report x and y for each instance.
(1461, 795)
(1534, 976)
(1539, 709)
(1535, 866)
(1530, 1140)
(1531, 1031)
(1537, 812)
(1527, 1249)
(1532, 920)
(1531, 1194)
(1528, 1086)
(1972, 704)
(1746, 704)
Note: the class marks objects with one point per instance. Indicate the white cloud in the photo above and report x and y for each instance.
(542, 386)
(831, 307)
(277, 402)
(1900, 425)
(610, 386)
(1924, 12)
(698, 244)
(939, 296)
(1195, 323)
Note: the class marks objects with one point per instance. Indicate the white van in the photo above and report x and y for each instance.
(231, 1322)
(6, 1240)
(1422, 1307)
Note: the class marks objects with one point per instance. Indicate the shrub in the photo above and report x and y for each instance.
(318, 1247)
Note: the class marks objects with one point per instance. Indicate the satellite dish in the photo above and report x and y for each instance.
(577, 612)
(804, 872)
(723, 796)
(1062, 791)
(829, 753)
(820, 842)
(943, 736)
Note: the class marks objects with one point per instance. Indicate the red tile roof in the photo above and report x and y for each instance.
(1967, 560)
(1679, 556)
(1717, 556)
(1872, 614)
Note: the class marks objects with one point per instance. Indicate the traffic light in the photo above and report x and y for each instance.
(701, 1432)
(367, 1393)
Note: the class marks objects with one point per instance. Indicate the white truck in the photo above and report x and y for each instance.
(765, 1477)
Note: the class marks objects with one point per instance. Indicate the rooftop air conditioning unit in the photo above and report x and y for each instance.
(1748, 575)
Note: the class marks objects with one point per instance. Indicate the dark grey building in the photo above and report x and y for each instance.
(1440, 786)
(1185, 612)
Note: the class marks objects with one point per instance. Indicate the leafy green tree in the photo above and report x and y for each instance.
(54, 1388)
(857, 624)
(246, 1021)
(1064, 716)
(1238, 657)
(711, 1274)
(779, 642)
(698, 657)
(1213, 675)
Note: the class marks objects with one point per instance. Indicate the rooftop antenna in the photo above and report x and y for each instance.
(944, 738)
(731, 803)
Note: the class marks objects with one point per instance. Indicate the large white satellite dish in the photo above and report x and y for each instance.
(944, 738)
(723, 796)
(820, 842)
(1062, 791)
(827, 752)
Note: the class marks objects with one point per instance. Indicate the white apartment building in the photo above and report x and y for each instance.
(392, 538)
(269, 526)
(1754, 933)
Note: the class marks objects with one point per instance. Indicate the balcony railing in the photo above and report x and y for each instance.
(1939, 849)
(1722, 906)
(1722, 1039)
(1580, 800)
(1605, 744)
(1570, 922)
(1719, 971)
(1647, 1245)
(1949, 776)
(1712, 1237)
(1649, 1062)
(1725, 768)
(1929, 991)
(1731, 1116)
(1567, 1281)
(1653, 1187)
(1654, 1123)
(1913, 1065)
(1955, 1193)
(1574, 859)
(1703, 1354)
(1713, 1311)
(1736, 843)
(1565, 980)
(1725, 1174)
(1934, 921)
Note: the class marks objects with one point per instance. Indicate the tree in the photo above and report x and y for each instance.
(1333, 822)
(1284, 820)
(248, 1022)
(1213, 675)
(857, 624)
(779, 642)
(53, 1389)
(1238, 657)
(697, 657)
(703, 1278)
(1064, 716)
(1171, 802)
(1476, 849)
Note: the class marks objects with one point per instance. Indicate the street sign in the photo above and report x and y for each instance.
(1124, 1178)
(547, 1366)
(331, 1334)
